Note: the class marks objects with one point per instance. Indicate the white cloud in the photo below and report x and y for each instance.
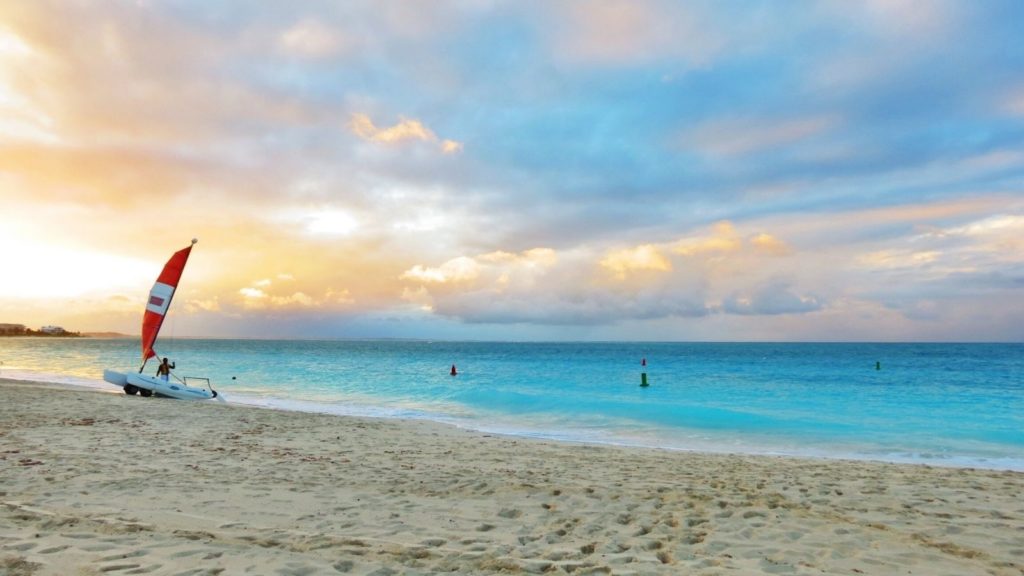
(252, 293)
(461, 269)
(993, 225)
(331, 222)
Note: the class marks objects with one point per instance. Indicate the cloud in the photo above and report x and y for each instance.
(363, 127)
(722, 239)
(686, 278)
(995, 225)
(250, 293)
(340, 297)
(330, 222)
(311, 39)
(21, 118)
(451, 146)
(771, 299)
(194, 306)
(265, 294)
(855, 150)
(925, 261)
(768, 244)
(646, 257)
(461, 269)
(899, 259)
(406, 130)
(259, 300)
(621, 32)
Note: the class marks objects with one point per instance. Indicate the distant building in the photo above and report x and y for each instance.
(12, 329)
(52, 330)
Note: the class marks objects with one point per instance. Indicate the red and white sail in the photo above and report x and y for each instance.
(160, 300)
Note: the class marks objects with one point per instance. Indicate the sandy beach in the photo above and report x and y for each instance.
(97, 483)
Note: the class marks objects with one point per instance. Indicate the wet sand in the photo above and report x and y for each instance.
(98, 483)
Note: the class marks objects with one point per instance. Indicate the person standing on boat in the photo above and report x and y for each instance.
(164, 369)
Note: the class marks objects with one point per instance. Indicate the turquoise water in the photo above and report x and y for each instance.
(943, 404)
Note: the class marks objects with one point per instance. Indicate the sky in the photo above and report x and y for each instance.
(485, 170)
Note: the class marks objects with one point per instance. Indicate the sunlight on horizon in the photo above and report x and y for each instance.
(35, 270)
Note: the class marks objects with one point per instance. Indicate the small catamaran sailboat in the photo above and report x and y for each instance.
(188, 388)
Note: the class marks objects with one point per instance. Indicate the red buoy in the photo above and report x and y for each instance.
(454, 371)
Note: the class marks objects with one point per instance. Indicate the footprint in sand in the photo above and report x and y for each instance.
(17, 565)
(297, 569)
(510, 513)
(123, 556)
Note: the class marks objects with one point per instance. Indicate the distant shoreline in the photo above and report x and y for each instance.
(45, 335)
(68, 335)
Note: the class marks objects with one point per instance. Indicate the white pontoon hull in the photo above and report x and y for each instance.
(160, 387)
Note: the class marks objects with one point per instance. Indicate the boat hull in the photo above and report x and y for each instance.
(160, 387)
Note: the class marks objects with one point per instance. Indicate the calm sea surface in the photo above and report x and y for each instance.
(943, 404)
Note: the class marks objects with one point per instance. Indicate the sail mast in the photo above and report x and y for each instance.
(160, 297)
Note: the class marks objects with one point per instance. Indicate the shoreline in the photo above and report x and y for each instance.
(744, 446)
(212, 487)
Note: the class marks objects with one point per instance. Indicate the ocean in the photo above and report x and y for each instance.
(958, 405)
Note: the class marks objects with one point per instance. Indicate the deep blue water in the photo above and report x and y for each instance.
(946, 404)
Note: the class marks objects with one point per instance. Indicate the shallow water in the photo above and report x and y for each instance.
(945, 404)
